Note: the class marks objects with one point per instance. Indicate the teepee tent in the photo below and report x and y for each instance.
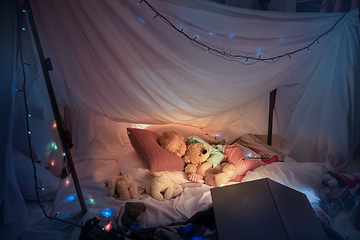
(115, 64)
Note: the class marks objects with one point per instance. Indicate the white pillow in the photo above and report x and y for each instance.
(184, 130)
(25, 178)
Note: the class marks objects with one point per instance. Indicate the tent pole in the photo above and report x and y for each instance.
(46, 67)
(271, 114)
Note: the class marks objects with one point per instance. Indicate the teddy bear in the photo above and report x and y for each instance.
(196, 153)
(162, 187)
(124, 186)
(337, 180)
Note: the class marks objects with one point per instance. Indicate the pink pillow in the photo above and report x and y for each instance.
(151, 153)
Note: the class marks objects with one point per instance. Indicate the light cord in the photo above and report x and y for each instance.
(236, 57)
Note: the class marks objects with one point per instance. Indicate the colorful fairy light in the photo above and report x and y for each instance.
(71, 198)
(107, 212)
(107, 227)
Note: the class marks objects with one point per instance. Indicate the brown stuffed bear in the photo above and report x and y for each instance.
(124, 186)
(196, 153)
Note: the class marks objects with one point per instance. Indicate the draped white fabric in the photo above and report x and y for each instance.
(117, 59)
(112, 58)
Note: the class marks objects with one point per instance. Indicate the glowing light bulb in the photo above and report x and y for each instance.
(29, 132)
(108, 227)
(52, 163)
(71, 198)
(29, 115)
(67, 182)
(54, 146)
(107, 212)
(54, 125)
(64, 154)
(23, 29)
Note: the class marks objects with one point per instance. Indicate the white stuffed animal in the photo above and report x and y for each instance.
(162, 187)
(337, 180)
(124, 186)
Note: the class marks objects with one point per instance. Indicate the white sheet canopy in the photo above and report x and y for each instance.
(119, 59)
(115, 58)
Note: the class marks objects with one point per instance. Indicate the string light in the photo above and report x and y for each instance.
(236, 57)
(20, 17)
(107, 227)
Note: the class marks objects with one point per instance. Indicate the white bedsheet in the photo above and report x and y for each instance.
(304, 177)
(92, 174)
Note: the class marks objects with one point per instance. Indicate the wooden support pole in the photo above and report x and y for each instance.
(271, 115)
(46, 67)
(324, 5)
(337, 6)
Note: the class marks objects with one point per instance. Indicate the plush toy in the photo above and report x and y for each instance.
(337, 180)
(196, 153)
(162, 187)
(124, 186)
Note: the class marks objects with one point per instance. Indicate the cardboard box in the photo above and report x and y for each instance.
(340, 199)
(264, 209)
